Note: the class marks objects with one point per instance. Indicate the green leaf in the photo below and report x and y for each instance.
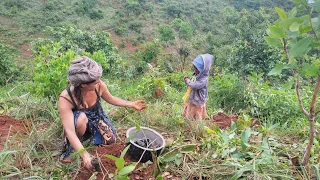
(293, 35)
(288, 22)
(159, 178)
(300, 47)
(209, 131)
(298, 1)
(126, 170)
(276, 70)
(274, 126)
(288, 85)
(292, 13)
(225, 137)
(277, 32)
(170, 156)
(315, 22)
(245, 135)
(282, 14)
(123, 153)
(305, 18)
(265, 144)
(316, 170)
(233, 126)
(111, 157)
(178, 161)
(305, 29)
(239, 173)
(188, 148)
(275, 42)
(121, 178)
(120, 163)
(294, 27)
(292, 65)
(309, 70)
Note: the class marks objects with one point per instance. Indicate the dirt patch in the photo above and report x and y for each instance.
(108, 166)
(25, 51)
(118, 41)
(223, 120)
(10, 127)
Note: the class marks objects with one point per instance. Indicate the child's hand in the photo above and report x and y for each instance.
(185, 78)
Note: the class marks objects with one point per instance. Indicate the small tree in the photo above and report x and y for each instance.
(166, 33)
(299, 39)
(184, 28)
(8, 69)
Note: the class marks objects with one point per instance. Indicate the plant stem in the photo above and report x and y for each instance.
(297, 85)
(311, 123)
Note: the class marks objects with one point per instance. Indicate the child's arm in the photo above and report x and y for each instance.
(198, 84)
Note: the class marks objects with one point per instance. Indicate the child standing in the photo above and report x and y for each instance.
(197, 90)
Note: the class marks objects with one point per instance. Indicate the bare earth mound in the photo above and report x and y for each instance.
(10, 127)
(223, 120)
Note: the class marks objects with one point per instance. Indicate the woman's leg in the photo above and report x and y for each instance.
(81, 124)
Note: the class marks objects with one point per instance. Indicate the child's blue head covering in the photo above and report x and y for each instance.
(198, 62)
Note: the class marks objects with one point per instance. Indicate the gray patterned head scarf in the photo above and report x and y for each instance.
(83, 70)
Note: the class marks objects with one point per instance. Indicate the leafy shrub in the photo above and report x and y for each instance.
(149, 52)
(185, 29)
(121, 30)
(8, 68)
(11, 7)
(227, 91)
(50, 73)
(77, 40)
(253, 55)
(176, 81)
(81, 43)
(166, 33)
(96, 14)
(272, 104)
(14, 3)
(173, 10)
(135, 26)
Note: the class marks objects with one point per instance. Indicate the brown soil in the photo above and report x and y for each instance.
(10, 127)
(223, 120)
(108, 166)
(158, 92)
(25, 51)
(116, 41)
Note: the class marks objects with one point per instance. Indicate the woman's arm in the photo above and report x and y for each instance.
(138, 105)
(67, 119)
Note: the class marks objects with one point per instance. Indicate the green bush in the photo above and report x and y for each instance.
(149, 52)
(253, 55)
(176, 81)
(274, 105)
(8, 68)
(227, 91)
(81, 43)
(77, 40)
(50, 74)
(96, 14)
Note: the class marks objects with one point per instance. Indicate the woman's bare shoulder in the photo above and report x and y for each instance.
(64, 96)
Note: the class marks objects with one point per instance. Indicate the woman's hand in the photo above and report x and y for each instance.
(139, 105)
(86, 158)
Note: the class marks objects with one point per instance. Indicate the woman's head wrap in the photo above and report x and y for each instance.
(83, 70)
